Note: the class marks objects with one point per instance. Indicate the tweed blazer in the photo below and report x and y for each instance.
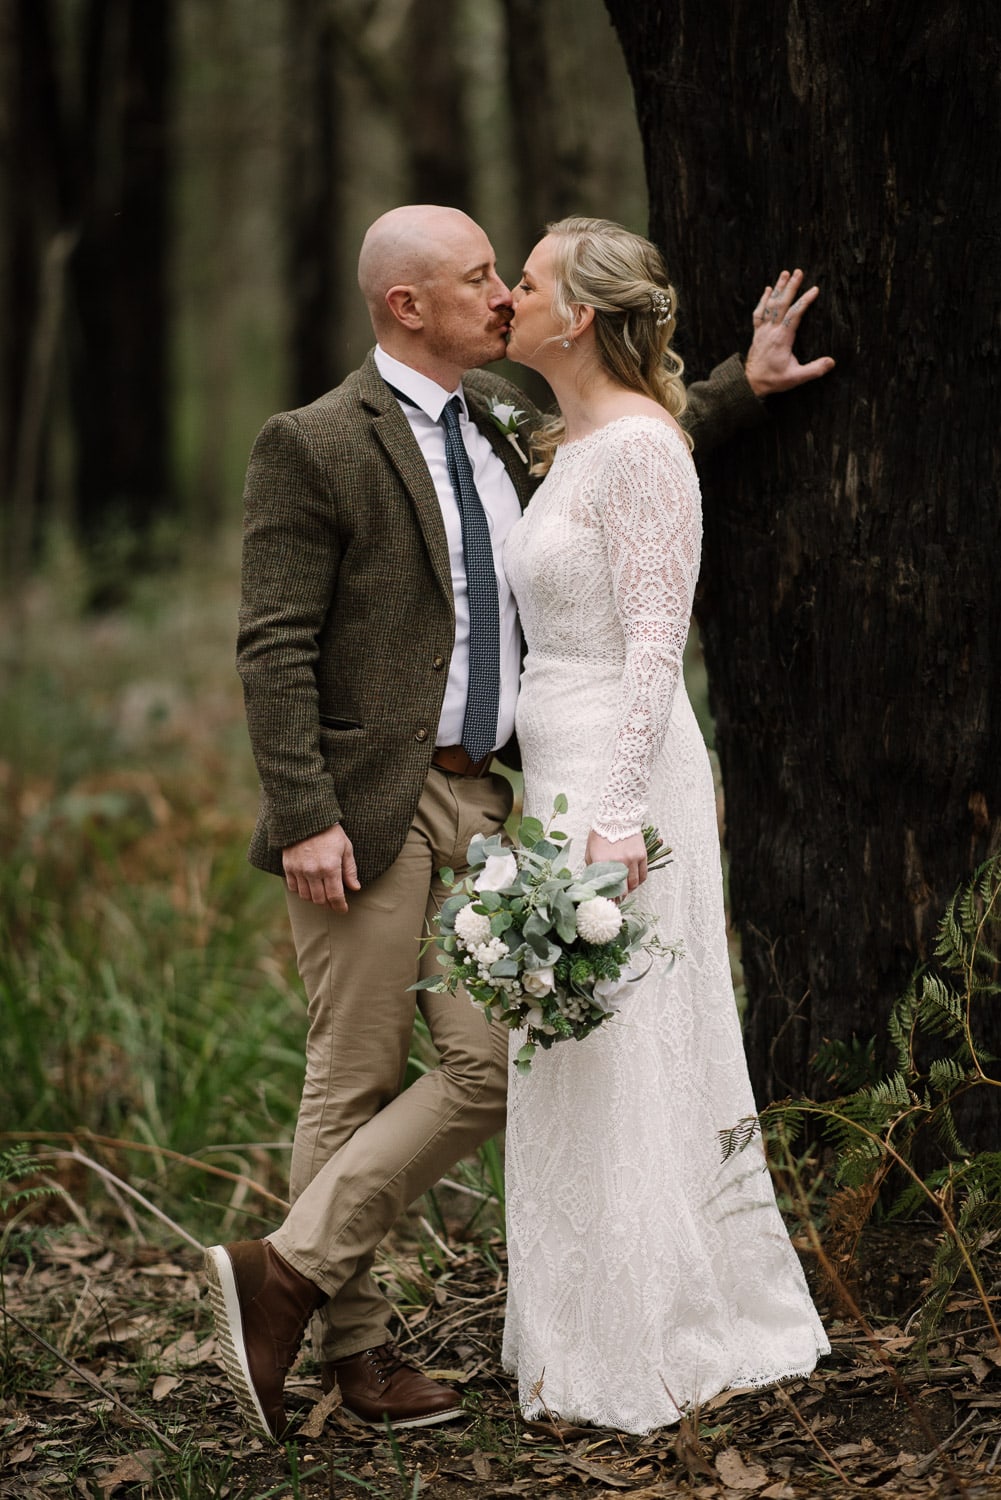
(347, 621)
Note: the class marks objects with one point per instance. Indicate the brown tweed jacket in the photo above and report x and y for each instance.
(347, 622)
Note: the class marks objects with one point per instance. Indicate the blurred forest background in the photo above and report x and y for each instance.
(187, 183)
(184, 187)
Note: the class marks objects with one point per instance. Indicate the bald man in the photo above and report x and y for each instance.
(360, 651)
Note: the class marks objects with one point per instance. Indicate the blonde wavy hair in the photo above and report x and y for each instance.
(600, 264)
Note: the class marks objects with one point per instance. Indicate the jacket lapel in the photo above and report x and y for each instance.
(392, 432)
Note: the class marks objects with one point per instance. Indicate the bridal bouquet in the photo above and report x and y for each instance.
(536, 946)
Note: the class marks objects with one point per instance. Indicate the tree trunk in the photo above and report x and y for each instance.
(851, 611)
(120, 352)
(433, 118)
(315, 207)
(32, 208)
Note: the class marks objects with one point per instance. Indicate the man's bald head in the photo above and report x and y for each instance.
(407, 247)
(430, 279)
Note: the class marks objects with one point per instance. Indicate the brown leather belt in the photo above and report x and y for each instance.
(453, 758)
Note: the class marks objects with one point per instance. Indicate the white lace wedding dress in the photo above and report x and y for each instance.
(644, 1275)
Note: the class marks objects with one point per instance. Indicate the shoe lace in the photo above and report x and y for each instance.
(386, 1360)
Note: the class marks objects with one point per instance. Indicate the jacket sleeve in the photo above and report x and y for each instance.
(721, 406)
(290, 562)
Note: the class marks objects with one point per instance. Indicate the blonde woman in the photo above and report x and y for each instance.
(645, 1276)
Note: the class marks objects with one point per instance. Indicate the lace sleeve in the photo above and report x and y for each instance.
(653, 532)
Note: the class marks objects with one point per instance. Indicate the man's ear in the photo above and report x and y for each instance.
(402, 303)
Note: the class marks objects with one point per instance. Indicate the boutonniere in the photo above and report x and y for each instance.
(506, 416)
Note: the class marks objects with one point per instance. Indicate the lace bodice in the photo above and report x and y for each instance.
(606, 560)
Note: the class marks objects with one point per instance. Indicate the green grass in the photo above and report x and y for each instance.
(148, 992)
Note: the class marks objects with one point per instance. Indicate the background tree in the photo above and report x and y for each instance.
(851, 613)
(87, 188)
(314, 188)
(119, 145)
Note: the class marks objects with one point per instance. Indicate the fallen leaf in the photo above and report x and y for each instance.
(981, 1369)
(737, 1475)
(163, 1385)
(126, 1330)
(481, 1465)
(137, 1468)
(313, 1425)
(186, 1352)
(599, 1472)
(724, 1396)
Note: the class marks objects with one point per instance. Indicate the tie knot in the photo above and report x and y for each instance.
(451, 411)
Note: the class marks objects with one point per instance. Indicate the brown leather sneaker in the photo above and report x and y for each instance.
(261, 1307)
(378, 1383)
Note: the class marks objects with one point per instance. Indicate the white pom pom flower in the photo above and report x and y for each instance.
(488, 953)
(471, 927)
(598, 920)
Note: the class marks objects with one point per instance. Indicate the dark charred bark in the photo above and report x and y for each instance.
(851, 611)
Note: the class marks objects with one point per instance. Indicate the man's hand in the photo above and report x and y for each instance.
(322, 868)
(771, 366)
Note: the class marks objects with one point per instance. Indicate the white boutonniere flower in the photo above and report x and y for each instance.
(507, 417)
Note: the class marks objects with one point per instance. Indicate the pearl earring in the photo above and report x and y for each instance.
(565, 344)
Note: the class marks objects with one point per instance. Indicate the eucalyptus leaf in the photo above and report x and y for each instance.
(504, 968)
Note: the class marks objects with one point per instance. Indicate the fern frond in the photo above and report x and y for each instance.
(739, 1136)
(946, 1074)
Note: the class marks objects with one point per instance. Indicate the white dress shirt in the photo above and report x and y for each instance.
(500, 502)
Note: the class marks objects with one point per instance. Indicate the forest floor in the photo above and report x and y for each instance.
(116, 1391)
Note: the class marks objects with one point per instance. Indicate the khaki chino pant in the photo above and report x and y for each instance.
(365, 1148)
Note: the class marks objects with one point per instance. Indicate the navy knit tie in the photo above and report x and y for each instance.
(479, 727)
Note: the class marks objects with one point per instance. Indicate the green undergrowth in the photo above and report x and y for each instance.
(898, 1141)
(153, 1021)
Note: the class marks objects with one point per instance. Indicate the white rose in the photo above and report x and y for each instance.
(598, 920)
(538, 981)
(534, 1017)
(605, 992)
(499, 871)
(471, 927)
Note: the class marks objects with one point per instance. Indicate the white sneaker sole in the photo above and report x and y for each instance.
(225, 1302)
(429, 1421)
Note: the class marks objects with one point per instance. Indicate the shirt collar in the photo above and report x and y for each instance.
(422, 391)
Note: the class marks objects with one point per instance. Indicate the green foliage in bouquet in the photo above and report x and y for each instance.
(536, 946)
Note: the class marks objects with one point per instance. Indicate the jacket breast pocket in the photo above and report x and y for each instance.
(329, 721)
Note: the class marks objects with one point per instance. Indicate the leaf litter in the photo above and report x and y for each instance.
(113, 1388)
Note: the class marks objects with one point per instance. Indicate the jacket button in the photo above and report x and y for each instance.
(438, 663)
(421, 734)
